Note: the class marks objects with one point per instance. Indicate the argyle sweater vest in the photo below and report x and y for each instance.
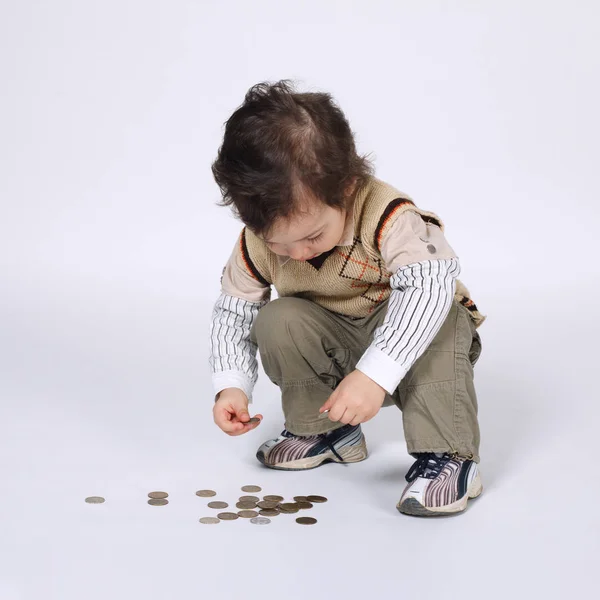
(348, 280)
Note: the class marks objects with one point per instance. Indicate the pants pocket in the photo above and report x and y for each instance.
(475, 350)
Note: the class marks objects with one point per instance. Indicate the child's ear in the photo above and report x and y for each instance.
(351, 186)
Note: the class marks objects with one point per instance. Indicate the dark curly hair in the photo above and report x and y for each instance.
(281, 147)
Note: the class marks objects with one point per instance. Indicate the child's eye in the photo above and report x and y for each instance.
(315, 239)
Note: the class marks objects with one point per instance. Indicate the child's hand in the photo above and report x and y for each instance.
(231, 412)
(356, 399)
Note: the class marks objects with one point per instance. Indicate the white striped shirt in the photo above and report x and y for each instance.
(421, 297)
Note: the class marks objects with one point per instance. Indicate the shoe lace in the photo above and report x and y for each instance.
(323, 436)
(428, 465)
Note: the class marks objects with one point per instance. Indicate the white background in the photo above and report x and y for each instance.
(111, 249)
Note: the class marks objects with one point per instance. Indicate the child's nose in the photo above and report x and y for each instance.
(300, 254)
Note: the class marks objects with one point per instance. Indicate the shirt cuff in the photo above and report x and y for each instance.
(382, 369)
(232, 379)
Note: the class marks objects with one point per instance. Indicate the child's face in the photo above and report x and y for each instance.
(318, 229)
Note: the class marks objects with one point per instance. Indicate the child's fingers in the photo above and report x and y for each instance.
(225, 420)
(231, 426)
(242, 428)
(328, 404)
(247, 424)
(337, 412)
(243, 415)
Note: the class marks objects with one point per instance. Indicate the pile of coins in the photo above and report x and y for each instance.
(158, 498)
(258, 511)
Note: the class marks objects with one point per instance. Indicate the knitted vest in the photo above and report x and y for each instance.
(348, 280)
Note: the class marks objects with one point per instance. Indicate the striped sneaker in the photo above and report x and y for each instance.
(290, 452)
(439, 484)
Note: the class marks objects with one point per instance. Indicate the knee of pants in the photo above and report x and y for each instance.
(283, 324)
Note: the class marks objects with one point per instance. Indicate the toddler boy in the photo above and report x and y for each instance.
(370, 311)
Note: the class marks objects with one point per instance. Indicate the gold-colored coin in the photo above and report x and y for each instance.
(317, 499)
(249, 499)
(246, 505)
(206, 493)
(158, 495)
(269, 512)
(304, 505)
(288, 507)
(306, 521)
(266, 504)
(273, 498)
(252, 489)
(209, 520)
(247, 514)
(95, 500)
(227, 516)
(158, 502)
(218, 504)
(252, 420)
(300, 499)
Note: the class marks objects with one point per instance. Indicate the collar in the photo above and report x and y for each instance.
(346, 239)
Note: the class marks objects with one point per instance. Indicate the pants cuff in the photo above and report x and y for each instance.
(463, 450)
(322, 426)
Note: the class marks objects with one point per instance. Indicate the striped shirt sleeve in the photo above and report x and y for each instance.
(421, 298)
(232, 356)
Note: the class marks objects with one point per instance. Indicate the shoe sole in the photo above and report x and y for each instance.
(411, 506)
(350, 454)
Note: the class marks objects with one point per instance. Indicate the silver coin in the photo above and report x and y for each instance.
(260, 521)
(227, 516)
(273, 498)
(209, 520)
(158, 502)
(206, 493)
(246, 505)
(95, 500)
(247, 514)
(249, 499)
(218, 505)
(252, 489)
(251, 421)
(158, 495)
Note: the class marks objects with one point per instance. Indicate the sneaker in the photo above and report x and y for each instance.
(439, 484)
(291, 452)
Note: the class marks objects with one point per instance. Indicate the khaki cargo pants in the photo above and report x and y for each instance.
(307, 350)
